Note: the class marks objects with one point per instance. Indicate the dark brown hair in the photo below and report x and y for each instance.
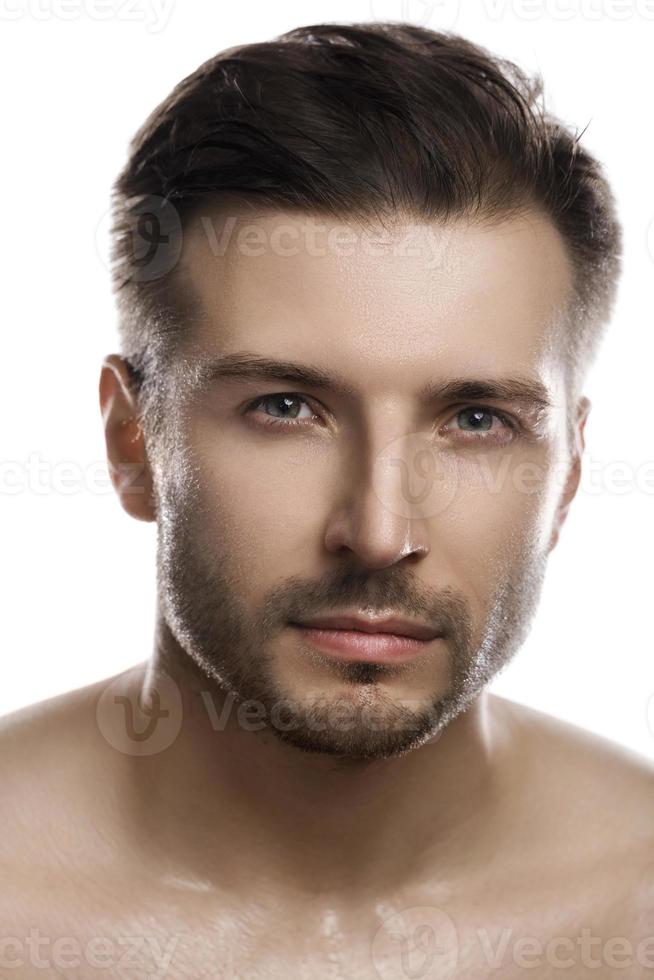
(353, 120)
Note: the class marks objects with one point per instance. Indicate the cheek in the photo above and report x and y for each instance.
(502, 509)
(257, 502)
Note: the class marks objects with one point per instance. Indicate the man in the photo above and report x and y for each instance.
(361, 276)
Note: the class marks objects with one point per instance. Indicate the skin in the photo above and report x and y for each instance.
(303, 846)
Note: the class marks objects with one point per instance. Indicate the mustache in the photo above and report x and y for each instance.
(446, 611)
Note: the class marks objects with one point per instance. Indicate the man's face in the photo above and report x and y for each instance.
(281, 500)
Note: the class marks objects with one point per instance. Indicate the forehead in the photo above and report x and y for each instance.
(418, 294)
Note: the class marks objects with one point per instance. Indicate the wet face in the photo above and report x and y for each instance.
(363, 421)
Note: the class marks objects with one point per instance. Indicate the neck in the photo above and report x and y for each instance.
(226, 803)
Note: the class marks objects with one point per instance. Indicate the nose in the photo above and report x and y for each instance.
(379, 515)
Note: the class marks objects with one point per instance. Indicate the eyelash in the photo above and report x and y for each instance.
(506, 420)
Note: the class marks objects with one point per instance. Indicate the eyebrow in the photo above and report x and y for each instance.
(251, 367)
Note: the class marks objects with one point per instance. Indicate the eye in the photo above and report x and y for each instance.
(285, 404)
(477, 423)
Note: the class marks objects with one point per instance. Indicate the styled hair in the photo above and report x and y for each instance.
(353, 121)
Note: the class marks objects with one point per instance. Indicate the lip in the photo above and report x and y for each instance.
(394, 625)
(353, 639)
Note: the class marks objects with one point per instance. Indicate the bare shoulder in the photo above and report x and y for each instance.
(61, 812)
(48, 726)
(582, 759)
(55, 768)
(596, 800)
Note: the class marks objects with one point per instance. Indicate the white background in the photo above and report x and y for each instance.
(77, 574)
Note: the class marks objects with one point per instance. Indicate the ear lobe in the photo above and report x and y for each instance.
(574, 472)
(126, 453)
(567, 496)
(583, 410)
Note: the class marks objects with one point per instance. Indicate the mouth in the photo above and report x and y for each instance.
(365, 645)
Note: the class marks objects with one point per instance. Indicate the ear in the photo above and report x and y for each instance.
(129, 468)
(574, 471)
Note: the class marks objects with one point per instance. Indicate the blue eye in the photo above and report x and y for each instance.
(475, 421)
(479, 424)
(283, 403)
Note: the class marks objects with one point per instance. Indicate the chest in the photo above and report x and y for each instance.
(109, 932)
